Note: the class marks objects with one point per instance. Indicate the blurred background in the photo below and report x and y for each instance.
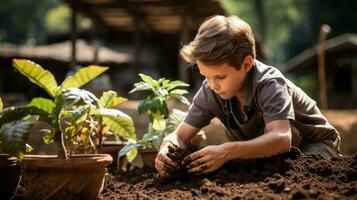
(313, 42)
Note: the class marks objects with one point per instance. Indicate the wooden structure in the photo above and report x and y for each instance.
(341, 70)
(157, 28)
(55, 58)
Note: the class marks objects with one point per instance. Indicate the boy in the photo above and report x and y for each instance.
(264, 113)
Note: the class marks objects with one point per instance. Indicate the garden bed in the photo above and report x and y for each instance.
(288, 176)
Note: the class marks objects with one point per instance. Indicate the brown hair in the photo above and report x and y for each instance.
(221, 40)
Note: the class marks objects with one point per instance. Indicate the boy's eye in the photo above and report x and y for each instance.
(221, 77)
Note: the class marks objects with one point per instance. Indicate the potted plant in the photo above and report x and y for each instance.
(13, 137)
(161, 120)
(78, 121)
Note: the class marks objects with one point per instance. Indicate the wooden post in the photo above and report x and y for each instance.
(325, 29)
(73, 61)
(137, 47)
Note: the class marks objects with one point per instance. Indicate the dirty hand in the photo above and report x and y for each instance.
(206, 160)
(163, 163)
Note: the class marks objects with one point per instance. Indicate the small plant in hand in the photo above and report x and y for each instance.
(78, 119)
(162, 122)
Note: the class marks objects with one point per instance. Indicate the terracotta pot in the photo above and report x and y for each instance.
(112, 148)
(10, 174)
(148, 155)
(79, 177)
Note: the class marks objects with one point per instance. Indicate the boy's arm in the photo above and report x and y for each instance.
(182, 135)
(276, 140)
(210, 158)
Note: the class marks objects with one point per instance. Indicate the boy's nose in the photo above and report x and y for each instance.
(214, 86)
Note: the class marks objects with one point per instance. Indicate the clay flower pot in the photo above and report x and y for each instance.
(80, 176)
(10, 174)
(147, 156)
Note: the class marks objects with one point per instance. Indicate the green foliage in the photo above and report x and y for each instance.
(74, 113)
(1, 105)
(155, 105)
(13, 137)
(307, 83)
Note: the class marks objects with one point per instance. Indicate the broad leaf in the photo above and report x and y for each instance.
(130, 150)
(174, 84)
(178, 92)
(80, 114)
(83, 76)
(13, 137)
(1, 105)
(150, 104)
(110, 99)
(44, 104)
(16, 113)
(158, 122)
(117, 121)
(147, 79)
(141, 86)
(75, 96)
(131, 155)
(36, 74)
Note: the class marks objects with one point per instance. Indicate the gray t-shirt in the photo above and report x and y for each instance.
(270, 96)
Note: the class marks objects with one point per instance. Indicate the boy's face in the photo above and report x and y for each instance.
(223, 79)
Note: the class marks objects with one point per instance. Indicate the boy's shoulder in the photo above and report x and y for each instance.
(263, 72)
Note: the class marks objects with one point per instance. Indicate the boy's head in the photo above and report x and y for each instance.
(221, 40)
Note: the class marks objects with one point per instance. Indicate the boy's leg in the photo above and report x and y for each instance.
(325, 148)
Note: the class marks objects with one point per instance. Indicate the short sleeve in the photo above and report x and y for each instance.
(275, 101)
(200, 112)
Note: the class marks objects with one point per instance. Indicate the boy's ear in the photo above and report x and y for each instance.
(247, 63)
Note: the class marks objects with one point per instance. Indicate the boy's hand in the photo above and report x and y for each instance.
(206, 160)
(163, 163)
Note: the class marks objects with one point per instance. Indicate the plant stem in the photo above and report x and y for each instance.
(62, 153)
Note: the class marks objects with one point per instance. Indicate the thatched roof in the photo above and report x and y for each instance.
(304, 59)
(62, 52)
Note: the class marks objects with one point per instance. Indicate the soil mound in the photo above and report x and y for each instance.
(287, 176)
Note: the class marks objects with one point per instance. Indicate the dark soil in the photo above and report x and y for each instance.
(177, 155)
(287, 176)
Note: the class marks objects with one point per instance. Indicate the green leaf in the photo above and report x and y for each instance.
(130, 150)
(44, 104)
(70, 131)
(174, 84)
(78, 97)
(48, 137)
(83, 76)
(158, 122)
(147, 79)
(181, 99)
(28, 148)
(178, 92)
(117, 121)
(131, 155)
(80, 114)
(141, 86)
(36, 74)
(1, 105)
(16, 113)
(110, 99)
(148, 104)
(13, 137)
